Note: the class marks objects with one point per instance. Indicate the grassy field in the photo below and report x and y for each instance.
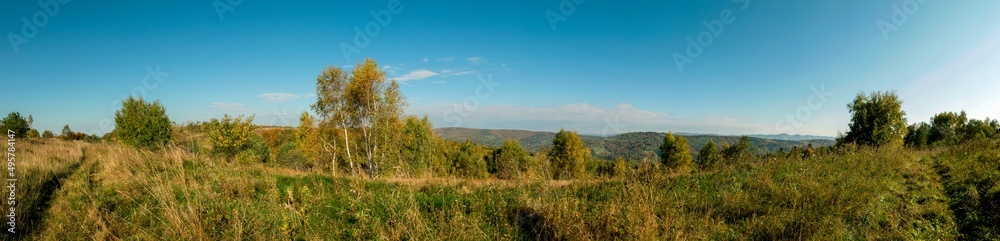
(75, 190)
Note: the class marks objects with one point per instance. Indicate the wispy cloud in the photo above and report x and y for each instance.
(280, 97)
(440, 82)
(451, 72)
(227, 105)
(425, 60)
(475, 59)
(416, 75)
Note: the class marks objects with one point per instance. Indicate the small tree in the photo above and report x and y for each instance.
(16, 123)
(230, 136)
(674, 152)
(877, 120)
(142, 124)
(918, 135)
(47, 134)
(33, 133)
(468, 161)
(568, 155)
(307, 136)
(709, 155)
(67, 133)
(739, 151)
(508, 160)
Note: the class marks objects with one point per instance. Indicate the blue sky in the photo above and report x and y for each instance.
(598, 67)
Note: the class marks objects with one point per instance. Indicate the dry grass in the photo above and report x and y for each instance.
(114, 192)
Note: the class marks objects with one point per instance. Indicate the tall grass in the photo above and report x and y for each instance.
(109, 191)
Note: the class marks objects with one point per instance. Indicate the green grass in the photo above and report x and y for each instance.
(110, 191)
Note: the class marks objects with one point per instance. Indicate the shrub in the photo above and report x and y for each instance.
(468, 161)
(877, 119)
(231, 136)
(47, 134)
(33, 133)
(16, 123)
(568, 155)
(709, 155)
(508, 160)
(290, 155)
(674, 152)
(142, 124)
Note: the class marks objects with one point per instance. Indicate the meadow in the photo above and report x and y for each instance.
(78, 190)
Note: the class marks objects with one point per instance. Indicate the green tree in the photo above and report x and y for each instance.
(47, 134)
(362, 100)
(739, 151)
(508, 160)
(33, 133)
(468, 161)
(946, 127)
(67, 133)
(142, 124)
(709, 155)
(918, 135)
(15, 122)
(674, 152)
(308, 139)
(230, 136)
(568, 155)
(978, 129)
(420, 148)
(877, 120)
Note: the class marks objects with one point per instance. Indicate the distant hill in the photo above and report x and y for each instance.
(633, 145)
(787, 137)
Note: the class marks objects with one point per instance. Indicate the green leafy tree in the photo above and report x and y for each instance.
(709, 155)
(674, 152)
(978, 129)
(946, 127)
(142, 124)
(67, 133)
(33, 133)
(420, 148)
(308, 139)
(568, 155)
(468, 161)
(918, 135)
(15, 122)
(877, 119)
(230, 136)
(508, 160)
(739, 151)
(47, 134)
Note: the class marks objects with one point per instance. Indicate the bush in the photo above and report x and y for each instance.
(709, 155)
(16, 123)
(877, 120)
(48, 134)
(231, 136)
(674, 152)
(468, 161)
(33, 133)
(508, 160)
(290, 155)
(142, 124)
(256, 151)
(568, 155)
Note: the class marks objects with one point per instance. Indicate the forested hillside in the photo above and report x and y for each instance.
(631, 146)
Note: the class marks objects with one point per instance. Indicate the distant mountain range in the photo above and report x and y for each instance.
(633, 145)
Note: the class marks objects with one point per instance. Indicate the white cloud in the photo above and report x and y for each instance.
(451, 72)
(475, 59)
(425, 60)
(227, 105)
(280, 97)
(416, 75)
